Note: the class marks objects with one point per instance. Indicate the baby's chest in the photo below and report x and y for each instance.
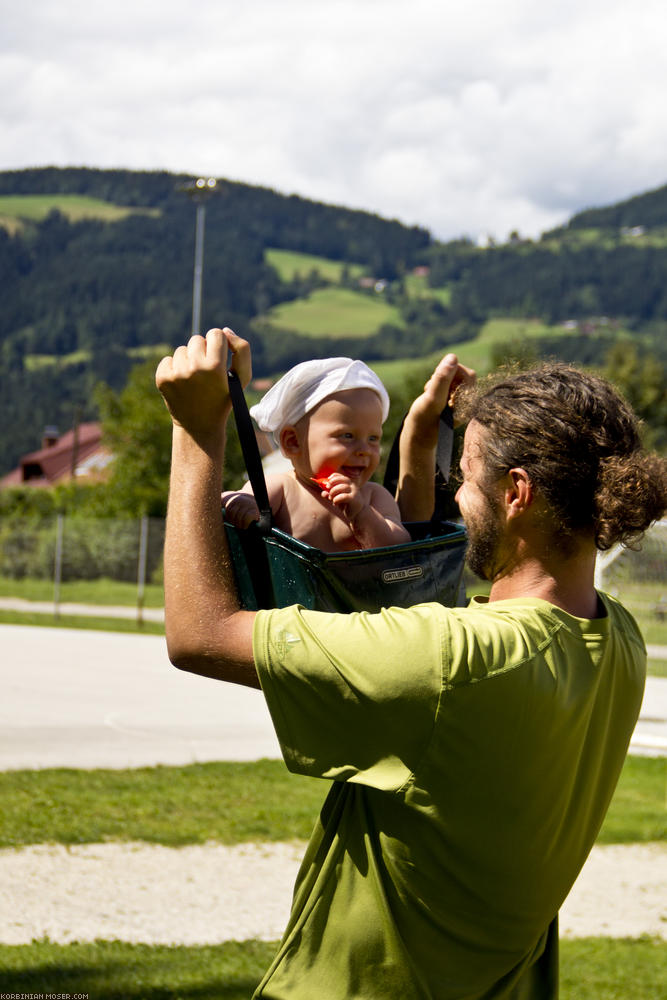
(315, 522)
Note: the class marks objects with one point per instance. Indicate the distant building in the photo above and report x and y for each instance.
(78, 454)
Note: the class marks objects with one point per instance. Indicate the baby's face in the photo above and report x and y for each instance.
(343, 435)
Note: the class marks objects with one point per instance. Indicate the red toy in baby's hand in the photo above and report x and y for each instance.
(321, 478)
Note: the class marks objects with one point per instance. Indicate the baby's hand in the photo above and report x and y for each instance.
(240, 508)
(344, 493)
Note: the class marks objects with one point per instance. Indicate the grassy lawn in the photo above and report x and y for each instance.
(289, 264)
(224, 802)
(91, 623)
(638, 810)
(36, 207)
(334, 312)
(102, 591)
(591, 969)
(234, 803)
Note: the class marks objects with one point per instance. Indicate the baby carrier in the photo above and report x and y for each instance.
(273, 569)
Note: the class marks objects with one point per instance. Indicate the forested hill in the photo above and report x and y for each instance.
(110, 272)
(92, 284)
(96, 270)
(647, 210)
(258, 214)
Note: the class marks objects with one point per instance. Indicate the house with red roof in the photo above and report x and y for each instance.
(78, 454)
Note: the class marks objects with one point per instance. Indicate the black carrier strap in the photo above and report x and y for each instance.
(251, 455)
(251, 541)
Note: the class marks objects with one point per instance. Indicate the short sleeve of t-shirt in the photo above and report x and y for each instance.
(312, 664)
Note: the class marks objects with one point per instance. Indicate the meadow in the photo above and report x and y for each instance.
(290, 265)
(334, 312)
(35, 207)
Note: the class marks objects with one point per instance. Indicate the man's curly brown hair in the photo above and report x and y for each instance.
(579, 441)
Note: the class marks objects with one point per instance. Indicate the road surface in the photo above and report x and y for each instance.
(76, 698)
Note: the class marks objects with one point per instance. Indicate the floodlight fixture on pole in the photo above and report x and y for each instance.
(199, 191)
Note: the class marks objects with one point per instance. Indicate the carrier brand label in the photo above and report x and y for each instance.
(395, 575)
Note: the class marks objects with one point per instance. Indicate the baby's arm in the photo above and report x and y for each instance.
(371, 512)
(415, 492)
(241, 508)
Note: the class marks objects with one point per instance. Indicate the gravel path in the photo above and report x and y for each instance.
(212, 893)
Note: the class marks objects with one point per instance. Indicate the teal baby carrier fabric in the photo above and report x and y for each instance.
(275, 570)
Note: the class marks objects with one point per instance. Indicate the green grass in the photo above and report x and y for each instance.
(112, 970)
(145, 351)
(90, 623)
(476, 353)
(35, 207)
(37, 362)
(223, 802)
(638, 810)
(394, 373)
(289, 264)
(606, 239)
(417, 287)
(102, 591)
(235, 802)
(613, 969)
(590, 968)
(334, 312)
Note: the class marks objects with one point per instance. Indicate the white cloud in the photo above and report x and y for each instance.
(465, 118)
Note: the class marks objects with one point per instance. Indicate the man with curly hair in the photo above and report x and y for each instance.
(471, 752)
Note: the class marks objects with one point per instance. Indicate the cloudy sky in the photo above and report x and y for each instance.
(465, 116)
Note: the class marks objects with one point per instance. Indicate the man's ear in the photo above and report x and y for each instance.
(519, 492)
(289, 441)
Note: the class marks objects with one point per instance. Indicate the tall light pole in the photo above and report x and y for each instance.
(199, 191)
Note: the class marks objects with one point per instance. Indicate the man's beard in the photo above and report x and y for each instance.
(484, 534)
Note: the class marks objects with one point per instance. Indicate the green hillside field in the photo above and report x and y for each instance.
(35, 207)
(476, 353)
(289, 264)
(334, 312)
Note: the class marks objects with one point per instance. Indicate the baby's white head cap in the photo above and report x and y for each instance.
(307, 384)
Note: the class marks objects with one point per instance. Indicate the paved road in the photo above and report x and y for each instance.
(73, 698)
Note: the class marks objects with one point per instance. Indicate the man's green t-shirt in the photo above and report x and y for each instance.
(473, 753)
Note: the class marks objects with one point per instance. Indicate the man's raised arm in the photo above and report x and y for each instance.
(207, 633)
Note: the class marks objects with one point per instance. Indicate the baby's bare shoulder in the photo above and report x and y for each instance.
(276, 487)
